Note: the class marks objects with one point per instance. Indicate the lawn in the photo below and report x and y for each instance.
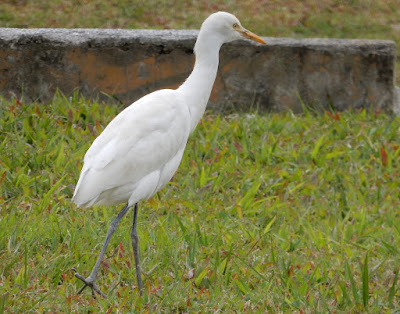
(277, 212)
(272, 212)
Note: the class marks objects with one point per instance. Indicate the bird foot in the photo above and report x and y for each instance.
(88, 282)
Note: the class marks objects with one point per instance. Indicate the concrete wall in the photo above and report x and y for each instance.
(131, 63)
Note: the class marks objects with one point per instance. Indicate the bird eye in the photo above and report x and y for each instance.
(235, 25)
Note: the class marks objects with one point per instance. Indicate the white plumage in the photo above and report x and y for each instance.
(137, 153)
(140, 150)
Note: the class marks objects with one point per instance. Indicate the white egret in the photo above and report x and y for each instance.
(139, 151)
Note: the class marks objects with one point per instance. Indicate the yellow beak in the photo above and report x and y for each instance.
(249, 35)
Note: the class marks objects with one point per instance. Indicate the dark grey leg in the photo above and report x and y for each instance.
(135, 247)
(90, 281)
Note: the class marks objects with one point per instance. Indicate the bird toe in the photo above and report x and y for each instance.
(88, 282)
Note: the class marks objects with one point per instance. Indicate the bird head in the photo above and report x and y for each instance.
(229, 27)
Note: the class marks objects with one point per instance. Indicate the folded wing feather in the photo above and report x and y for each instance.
(135, 146)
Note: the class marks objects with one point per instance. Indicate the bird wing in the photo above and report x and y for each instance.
(140, 140)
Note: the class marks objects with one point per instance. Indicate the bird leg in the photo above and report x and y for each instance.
(90, 281)
(135, 247)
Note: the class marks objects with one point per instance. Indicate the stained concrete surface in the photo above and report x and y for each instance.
(127, 64)
(396, 106)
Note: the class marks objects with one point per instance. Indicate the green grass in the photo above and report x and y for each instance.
(275, 212)
(369, 19)
(278, 212)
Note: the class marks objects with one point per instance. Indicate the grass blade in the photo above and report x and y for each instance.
(317, 147)
(250, 194)
(365, 288)
(26, 266)
(3, 302)
(393, 289)
(352, 283)
(201, 276)
(268, 227)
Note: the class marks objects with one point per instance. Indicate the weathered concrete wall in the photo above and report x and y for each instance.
(396, 106)
(131, 63)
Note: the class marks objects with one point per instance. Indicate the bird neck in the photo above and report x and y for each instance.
(197, 87)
